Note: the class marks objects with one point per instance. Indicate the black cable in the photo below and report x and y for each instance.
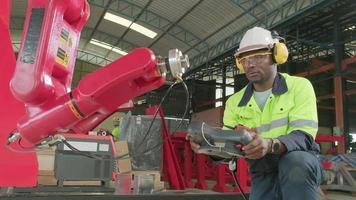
(88, 154)
(75, 150)
(237, 183)
(230, 127)
(26, 150)
(124, 156)
(155, 114)
(187, 105)
(185, 113)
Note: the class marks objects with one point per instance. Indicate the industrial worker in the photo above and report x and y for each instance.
(116, 131)
(281, 109)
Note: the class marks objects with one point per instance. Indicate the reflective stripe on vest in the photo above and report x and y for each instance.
(274, 124)
(284, 122)
(304, 122)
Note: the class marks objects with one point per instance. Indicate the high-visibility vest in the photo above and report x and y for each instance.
(116, 132)
(291, 106)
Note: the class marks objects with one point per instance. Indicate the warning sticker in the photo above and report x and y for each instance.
(65, 38)
(75, 111)
(62, 57)
(64, 48)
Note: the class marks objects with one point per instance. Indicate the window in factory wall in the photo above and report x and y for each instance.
(352, 145)
(219, 91)
(218, 95)
(353, 135)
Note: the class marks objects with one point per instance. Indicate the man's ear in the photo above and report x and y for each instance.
(274, 65)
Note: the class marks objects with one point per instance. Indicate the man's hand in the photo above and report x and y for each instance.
(195, 147)
(257, 148)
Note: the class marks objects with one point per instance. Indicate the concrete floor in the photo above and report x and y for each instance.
(330, 195)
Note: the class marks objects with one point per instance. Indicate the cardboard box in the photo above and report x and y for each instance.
(47, 180)
(46, 172)
(124, 165)
(159, 185)
(121, 148)
(45, 159)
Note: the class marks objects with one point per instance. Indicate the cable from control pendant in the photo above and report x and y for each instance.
(238, 185)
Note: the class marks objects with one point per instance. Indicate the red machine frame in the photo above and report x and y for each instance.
(40, 102)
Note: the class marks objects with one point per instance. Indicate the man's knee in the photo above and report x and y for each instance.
(298, 167)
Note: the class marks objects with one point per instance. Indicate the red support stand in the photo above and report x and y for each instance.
(242, 175)
(221, 177)
(185, 156)
(200, 175)
(171, 164)
(332, 138)
(188, 166)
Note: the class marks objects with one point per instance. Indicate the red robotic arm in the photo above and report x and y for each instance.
(45, 66)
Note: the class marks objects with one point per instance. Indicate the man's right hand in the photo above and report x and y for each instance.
(195, 147)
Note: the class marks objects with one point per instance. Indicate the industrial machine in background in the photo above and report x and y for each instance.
(38, 86)
(95, 160)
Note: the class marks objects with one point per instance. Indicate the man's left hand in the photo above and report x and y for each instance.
(257, 148)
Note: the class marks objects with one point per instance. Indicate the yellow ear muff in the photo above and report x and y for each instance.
(280, 53)
(239, 66)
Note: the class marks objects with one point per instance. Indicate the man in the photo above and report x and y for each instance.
(116, 131)
(282, 111)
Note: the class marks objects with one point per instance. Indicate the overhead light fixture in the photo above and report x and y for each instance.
(130, 24)
(107, 46)
(350, 28)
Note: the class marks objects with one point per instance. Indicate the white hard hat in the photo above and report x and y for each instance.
(255, 39)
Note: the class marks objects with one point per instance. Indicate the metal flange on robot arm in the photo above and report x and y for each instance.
(177, 63)
(102, 92)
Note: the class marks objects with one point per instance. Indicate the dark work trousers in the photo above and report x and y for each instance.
(298, 178)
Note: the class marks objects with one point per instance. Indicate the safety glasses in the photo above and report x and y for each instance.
(256, 58)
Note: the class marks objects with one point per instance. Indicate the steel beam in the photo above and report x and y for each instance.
(223, 85)
(98, 22)
(275, 18)
(130, 10)
(175, 23)
(117, 43)
(225, 25)
(108, 38)
(338, 81)
(333, 108)
(253, 13)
